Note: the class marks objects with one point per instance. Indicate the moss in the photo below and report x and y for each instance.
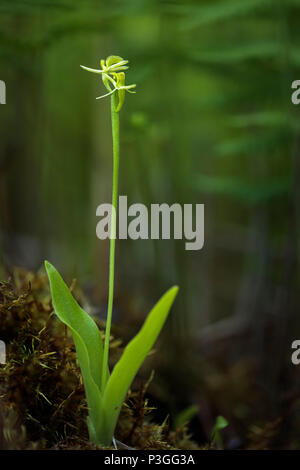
(42, 397)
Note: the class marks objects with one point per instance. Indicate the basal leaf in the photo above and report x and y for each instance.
(87, 341)
(132, 359)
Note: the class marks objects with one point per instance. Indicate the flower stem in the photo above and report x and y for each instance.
(116, 146)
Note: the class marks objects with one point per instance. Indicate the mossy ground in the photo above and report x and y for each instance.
(42, 399)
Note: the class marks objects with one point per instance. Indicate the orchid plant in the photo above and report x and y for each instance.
(106, 392)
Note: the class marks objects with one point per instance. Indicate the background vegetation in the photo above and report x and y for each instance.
(212, 122)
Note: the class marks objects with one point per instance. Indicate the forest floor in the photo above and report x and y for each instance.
(42, 399)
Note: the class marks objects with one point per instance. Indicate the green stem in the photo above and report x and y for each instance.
(116, 146)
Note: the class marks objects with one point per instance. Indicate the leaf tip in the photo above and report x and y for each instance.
(174, 290)
(48, 266)
(171, 294)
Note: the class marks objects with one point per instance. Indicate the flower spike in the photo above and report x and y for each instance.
(113, 77)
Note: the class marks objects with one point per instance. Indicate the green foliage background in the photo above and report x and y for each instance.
(212, 122)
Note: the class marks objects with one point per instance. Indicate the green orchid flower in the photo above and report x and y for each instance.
(113, 77)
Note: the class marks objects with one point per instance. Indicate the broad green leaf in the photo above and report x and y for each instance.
(87, 341)
(132, 359)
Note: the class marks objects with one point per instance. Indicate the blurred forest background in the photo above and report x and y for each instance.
(212, 122)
